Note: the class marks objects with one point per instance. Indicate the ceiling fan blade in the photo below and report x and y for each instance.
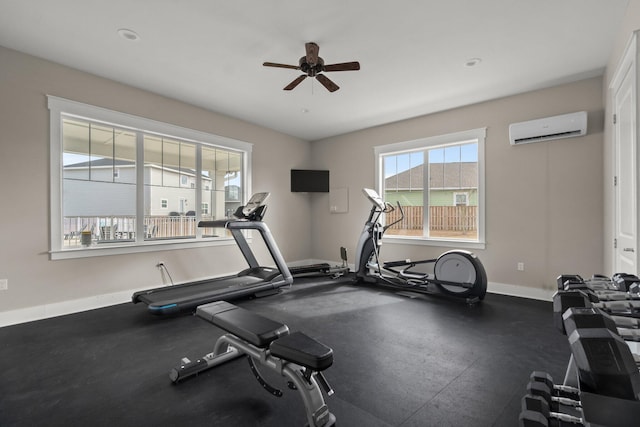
(312, 53)
(345, 66)
(273, 64)
(326, 82)
(296, 82)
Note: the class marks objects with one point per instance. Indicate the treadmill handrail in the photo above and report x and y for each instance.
(242, 224)
(216, 223)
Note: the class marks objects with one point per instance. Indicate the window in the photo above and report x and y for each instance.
(133, 183)
(439, 182)
(460, 199)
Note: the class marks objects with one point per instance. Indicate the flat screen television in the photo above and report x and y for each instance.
(309, 181)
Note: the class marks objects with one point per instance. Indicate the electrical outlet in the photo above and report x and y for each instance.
(4, 284)
(520, 266)
(160, 264)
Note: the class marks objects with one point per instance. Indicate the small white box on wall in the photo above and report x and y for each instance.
(339, 200)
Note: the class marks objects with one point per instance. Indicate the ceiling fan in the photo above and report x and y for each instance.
(313, 66)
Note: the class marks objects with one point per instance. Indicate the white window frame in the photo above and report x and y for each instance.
(461, 193)
(59, 107)
(478, 135)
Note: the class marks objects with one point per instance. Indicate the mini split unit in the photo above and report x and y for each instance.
(550, 128)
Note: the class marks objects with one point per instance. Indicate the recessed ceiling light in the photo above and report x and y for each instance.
(472, 62)
(128, 34)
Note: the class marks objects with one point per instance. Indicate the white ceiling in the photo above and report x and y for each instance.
(412, 52)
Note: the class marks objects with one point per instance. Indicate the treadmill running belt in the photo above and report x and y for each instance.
(180, 298)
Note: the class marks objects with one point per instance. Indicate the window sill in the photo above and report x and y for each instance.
(460, 244)
(122, 249)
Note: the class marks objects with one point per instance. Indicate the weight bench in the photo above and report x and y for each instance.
(268, 343)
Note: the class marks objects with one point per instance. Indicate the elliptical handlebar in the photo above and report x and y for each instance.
(392, 208)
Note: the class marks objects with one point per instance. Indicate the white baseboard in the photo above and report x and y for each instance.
(46, 311)
(520, 291)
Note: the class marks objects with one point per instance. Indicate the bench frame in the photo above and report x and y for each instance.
(305, 380)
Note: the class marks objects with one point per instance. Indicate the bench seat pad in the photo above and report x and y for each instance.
(303, 350)
(251, 327)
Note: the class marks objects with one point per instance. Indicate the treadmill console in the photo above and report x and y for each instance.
(254, 203)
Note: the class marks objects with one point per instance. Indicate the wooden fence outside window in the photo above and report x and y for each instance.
(441, 218)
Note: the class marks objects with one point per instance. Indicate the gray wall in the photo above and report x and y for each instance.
(34, 280)
(543, 200)
(548, 204)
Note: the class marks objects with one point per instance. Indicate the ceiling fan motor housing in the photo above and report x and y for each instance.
(311, 69)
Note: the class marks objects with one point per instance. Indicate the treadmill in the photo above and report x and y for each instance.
(254, 281)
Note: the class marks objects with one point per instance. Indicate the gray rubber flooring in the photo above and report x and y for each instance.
(398, 361)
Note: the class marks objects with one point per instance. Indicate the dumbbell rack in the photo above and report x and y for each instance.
(602, 383)
(619, 297)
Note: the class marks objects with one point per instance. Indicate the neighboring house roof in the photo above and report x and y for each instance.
(442, 176)
(106, 162)
(101, 162)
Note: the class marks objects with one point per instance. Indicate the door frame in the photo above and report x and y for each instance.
(628, 63)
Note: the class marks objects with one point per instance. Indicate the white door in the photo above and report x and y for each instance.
(626, 184)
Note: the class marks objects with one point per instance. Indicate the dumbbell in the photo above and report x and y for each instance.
(567, 279)
(566, 299)
(563, 300)
(558, 390)
(624, 281)
(539, 389)
(625, 327)
(620, 282)
(536, 413)
(585, 318)
(604, 362)
(567, 282)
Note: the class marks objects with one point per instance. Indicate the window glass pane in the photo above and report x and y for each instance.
(170, 163)
(214, 166)
(188, 168)
(233, 181)
(221, 186)
(75, 157)
(437, 189)
(95, 208)
(152, 163)
(124, 152)
(170, 202)
(404, 185)
(453, 192)
(101, 166)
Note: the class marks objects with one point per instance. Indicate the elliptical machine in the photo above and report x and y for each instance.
(456, 273)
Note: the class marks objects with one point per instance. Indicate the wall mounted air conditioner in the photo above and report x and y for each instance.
(556, 127)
